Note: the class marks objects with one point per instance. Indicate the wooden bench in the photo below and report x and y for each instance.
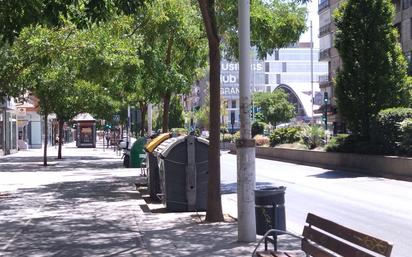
(324, 238)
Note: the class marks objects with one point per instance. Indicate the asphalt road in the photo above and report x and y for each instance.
(376, 206)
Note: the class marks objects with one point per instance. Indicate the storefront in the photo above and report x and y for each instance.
(8, 127)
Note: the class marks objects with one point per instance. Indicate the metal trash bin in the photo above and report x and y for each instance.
(137, 154)
(270, 211)
(153, 181)
(183, 169)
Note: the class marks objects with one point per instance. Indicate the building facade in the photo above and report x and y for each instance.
(287, 68)
(8, 126)
(329, 54)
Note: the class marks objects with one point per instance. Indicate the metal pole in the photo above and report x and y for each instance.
(149, 120)
(245, 145)
(129, 120)
(311, 69)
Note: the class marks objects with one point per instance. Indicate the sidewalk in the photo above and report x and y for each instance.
(87, 205)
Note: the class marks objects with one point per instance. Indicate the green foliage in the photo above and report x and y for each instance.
(258, 128)
(176, 118)
(373, 74)
(226, 137)
(312, 136)
(275, 107)
(387, 131)
(354, 144)
(274, 24)
(285, 136)
(236, 136)
(339, 143)
(202, 117)
(406, 137)
(179, 131)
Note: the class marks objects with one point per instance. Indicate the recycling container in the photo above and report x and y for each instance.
(183, 169)
(137, 154)
(153, 182)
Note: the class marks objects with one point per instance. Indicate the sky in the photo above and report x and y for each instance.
(312, 16)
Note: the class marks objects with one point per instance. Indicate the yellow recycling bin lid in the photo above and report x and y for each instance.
(149, 147)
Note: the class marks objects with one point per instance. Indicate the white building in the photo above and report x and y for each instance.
(289, 69)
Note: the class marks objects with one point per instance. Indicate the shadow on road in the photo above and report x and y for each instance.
(336, 174)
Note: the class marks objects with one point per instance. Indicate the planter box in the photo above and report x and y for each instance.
(385, 166)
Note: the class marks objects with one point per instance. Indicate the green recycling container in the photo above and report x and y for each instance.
(137, 154)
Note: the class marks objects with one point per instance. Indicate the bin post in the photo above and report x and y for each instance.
(191, 174)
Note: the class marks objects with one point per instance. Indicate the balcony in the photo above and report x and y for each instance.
(325, 30)
(324, 81)
(323, 5)
(324, 54)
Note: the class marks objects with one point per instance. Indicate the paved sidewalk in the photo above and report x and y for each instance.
(87, 205)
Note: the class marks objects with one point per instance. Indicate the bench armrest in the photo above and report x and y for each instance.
(278, 232)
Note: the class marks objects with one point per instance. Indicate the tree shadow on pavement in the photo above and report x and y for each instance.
(35, 163)
(76, 218)
(166, 235)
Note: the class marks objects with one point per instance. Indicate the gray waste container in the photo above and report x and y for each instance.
(183, 169)
(270, 211)
(153, 181)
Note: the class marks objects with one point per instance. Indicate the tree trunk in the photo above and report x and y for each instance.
(61, 123)
(46, 135)
(166, 108)
(214, 202)
(143, 110)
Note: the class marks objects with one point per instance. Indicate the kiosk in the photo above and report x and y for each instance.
(85, 131)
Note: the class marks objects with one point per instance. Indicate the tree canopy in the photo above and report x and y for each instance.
(275, 107)
(373, 73)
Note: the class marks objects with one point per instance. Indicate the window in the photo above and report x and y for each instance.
(284, 67)
(267, 67)
(278, 78)
(233, 103)
(266, 78)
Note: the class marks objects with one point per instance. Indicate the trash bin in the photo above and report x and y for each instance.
(137, 154)
(270, 209)
(183, 169)
(153, 182)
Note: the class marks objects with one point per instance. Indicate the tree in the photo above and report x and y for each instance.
(274, 25)
(275, 107)
(176, 113)
(373, 73)
(177, 46)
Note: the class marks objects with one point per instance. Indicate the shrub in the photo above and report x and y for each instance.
(284, 136)
(345, 143)
(406, 138)
(261, 140)
(257, 128)
(386, 129)
(337, 143)
(227, 137)
(179, 131)
(235, 136)
(312, 136)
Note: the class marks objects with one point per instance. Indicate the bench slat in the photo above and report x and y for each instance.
(314, 250)
(333, 244)
(368, 242)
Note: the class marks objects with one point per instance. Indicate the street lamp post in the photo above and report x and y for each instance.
(245, 145)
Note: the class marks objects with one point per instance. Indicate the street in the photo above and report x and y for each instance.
(86, 205)
(375, 206)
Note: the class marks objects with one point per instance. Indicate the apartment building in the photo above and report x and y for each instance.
(327, 29)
